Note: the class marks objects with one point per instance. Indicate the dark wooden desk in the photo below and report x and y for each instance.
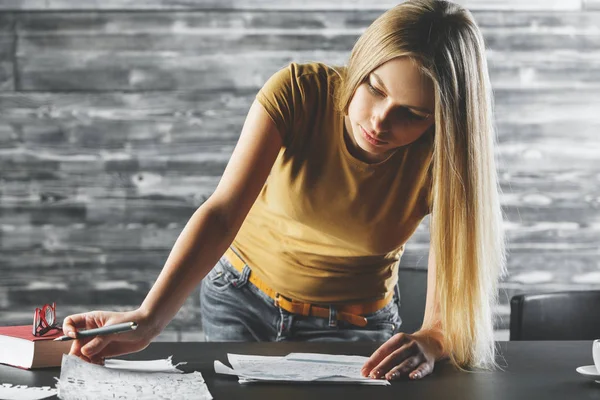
(533, 370)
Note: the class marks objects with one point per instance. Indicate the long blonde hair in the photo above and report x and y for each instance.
(466, 222)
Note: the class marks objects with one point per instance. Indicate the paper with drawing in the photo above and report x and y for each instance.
(129, 380)
(24, 392)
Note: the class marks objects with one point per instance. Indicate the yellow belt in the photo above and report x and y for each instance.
(352, 313)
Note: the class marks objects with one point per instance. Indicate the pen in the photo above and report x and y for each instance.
(105, 330)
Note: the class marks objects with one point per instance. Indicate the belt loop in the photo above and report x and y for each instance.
(306, 309)
(276, 300)
(332, 317)
(236, 253)
(397, 292)
(243, 279)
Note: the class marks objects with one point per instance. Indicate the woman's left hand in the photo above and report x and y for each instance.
(405, 354)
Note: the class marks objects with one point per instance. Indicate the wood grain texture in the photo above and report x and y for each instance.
(122, 120)
(220, 42)
(142, 72)
(86, 133)
(207, 22)
(150, 5)
(215, 21)
(231, 42)
(510, 5)
(518, 106)
(43, 5)
(101, 211)
(7, 52)
(97, 242)
(139, 72)
(7, 21)
(7, 82)
(170, 107)
(184, 181)
(162, 52)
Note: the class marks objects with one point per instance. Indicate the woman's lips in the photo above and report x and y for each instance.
(371, 139)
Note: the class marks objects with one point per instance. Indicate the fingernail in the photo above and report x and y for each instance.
(395, 375)
(374, 374)
(71, 334)
(416, 375)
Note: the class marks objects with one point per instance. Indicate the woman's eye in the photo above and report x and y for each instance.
(416, 117)
(406, 113)
(373, 90)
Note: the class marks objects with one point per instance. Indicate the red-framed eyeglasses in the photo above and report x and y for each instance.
(44, 320)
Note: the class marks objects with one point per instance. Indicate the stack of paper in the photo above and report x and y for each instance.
(297, 367)
(121, 379)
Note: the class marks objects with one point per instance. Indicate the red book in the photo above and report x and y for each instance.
(19, 348)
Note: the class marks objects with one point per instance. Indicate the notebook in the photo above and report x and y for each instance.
(19, 348)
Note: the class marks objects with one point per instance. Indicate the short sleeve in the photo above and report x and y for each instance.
(282, 98)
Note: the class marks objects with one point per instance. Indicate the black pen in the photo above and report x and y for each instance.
(105, 330)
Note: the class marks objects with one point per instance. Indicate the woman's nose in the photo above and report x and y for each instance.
(379, 119)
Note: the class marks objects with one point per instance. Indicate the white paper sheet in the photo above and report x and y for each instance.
(297, 367)
(24, 392)
(80, 380)
(164, 365)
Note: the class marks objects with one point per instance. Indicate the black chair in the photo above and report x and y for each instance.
(413, 293)
(570, 315)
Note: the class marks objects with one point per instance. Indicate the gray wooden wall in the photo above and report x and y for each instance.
(117, 119)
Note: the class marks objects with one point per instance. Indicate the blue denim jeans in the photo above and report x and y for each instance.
(234, 310)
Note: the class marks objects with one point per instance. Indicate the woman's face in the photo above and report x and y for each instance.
(393, 107)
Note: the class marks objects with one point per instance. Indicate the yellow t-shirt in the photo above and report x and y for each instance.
(327, 227)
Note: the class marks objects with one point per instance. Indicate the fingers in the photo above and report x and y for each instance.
(415, 367)
(403, 368)
(95, 346)
(76, 350)
(80, 348)
(382, 352)
(97, 360)
(111, 349)
(421, 371)
(72, 323)
(102, 347)
(408, 351)
(114, 349)
(399, 356)
(96, 350)
(76, 346)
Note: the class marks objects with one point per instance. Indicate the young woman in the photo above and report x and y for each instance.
(334, 170)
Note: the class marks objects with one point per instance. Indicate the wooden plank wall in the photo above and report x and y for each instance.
(117, 119)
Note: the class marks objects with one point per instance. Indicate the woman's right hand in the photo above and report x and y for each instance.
(96, 349)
